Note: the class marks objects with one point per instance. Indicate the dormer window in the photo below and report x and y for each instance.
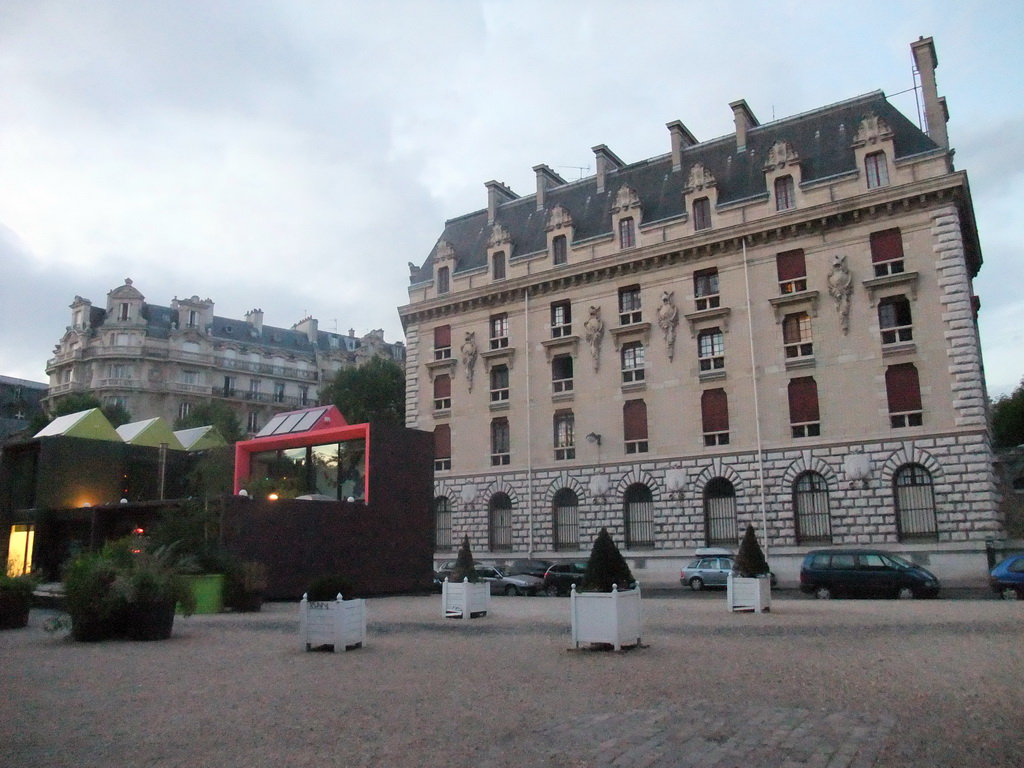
(443, 280)
(498, 264)
(784, 198)
(193, 319)
(877, 170)
(627, 233)
(702, 213)
(559, 250)
(123, 311)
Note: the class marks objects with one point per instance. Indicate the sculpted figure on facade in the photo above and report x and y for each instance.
(468, 350)
(840, 288)
(593, 328)
(668, 319)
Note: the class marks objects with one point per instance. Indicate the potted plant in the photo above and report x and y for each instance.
(463, 595)
(606, 611)
(748, 587)
(245, 587)
(15, 600)
(327, 619)
(194, 529)
(150, 589)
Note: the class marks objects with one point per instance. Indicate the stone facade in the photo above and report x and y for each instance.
(776, 328)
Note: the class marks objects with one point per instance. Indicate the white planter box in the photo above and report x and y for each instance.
(463, 600)
(605, 617)
(341, 623)
(748, 594)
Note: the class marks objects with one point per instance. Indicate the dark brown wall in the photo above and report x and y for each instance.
(385, 546)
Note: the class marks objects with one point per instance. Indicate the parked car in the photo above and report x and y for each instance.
(445, 571)
(560, 577)
(532, 567)
(710, 572)
(864, 573)
(501, 584)
(1007, 578)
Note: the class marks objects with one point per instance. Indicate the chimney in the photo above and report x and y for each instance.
(935, 112)
(497, 193)
(681, 139)
(606, 161)
(745, 120)
(255, 318)
(545, 178)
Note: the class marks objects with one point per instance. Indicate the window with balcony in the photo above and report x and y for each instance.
(499, 384)
(500, 442)
(442, 392)
(711, 350)
(634, 426)
(564, 437)
(804, 418)
(561, 374)
(184, 409)
(714, 416)
(191, 378)
(792, 271)
(887, 252)
(629, 305)
(442, 342)
(278, 392)
(627, 232)
(705, 289)
(877, 170)
(632, 362)
(118, 371)
(442, 447)
(559, 250)
(784, 198)
(702, 213)
(253, 422)
(903, 394)
(443, 280)
(796, 336)
(498, 265)
(561, 319)
(254, 389)
(894, 320)
(499, 331)
(230, 382)
(303, 395)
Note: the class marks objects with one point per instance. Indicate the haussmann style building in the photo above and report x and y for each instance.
(163, 360)
(774, 327)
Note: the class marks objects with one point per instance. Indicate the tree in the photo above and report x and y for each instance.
(750, 560)
(465, 568)
(76, 402)
(375, 391)
(216, 413)
(606, 566)
(1008, 420)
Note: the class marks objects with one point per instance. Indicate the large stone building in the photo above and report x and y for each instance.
(19, 404)
(161, 361)
(774, 327)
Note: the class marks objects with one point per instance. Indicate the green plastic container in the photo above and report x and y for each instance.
(209, 592)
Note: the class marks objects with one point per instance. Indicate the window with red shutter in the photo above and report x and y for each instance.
(714, 414)
(634, 426)
(804, 418)
(903, 392)
(442, 392)
(792, 271)
(887, 252)
(442, 342)
(442, 447)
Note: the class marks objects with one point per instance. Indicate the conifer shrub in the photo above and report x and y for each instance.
(750, 561)
(606, 566)
(464, 568)
(327, 588)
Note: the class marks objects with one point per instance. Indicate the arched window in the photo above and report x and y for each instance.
(442, 524)
(500, 523)
(638, 516)
(810, 509)
(720, 513)
(915, 503)
(565, 520)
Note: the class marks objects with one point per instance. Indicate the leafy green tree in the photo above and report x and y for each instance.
(216, 413)
(1008, 420)
(464, 567)
(375, 391)
(606, 566)
(750, 560)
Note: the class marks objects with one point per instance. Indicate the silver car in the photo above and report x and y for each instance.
(710, 572)
(521, 584)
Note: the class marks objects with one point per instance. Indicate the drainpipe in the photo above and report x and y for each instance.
(529, 441)
(757, 409)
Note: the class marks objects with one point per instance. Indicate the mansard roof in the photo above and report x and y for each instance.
(822, 138)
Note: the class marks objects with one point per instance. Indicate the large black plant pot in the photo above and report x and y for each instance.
(150, 620)
(14, 608)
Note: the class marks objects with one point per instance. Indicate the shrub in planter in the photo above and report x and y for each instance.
(95, 610)
(750, 561)
(246, 584)
(325, 621)
(464, 567)
(15, 600)
(606, 566)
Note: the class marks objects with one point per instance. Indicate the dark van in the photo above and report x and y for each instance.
(864, 573)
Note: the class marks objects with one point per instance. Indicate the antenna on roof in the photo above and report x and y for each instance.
(584, 170)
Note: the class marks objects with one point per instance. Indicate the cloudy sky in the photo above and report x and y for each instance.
(294, 156)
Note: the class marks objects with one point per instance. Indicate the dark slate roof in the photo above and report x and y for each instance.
(822, 138)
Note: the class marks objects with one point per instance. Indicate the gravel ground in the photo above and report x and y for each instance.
(837, 683)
